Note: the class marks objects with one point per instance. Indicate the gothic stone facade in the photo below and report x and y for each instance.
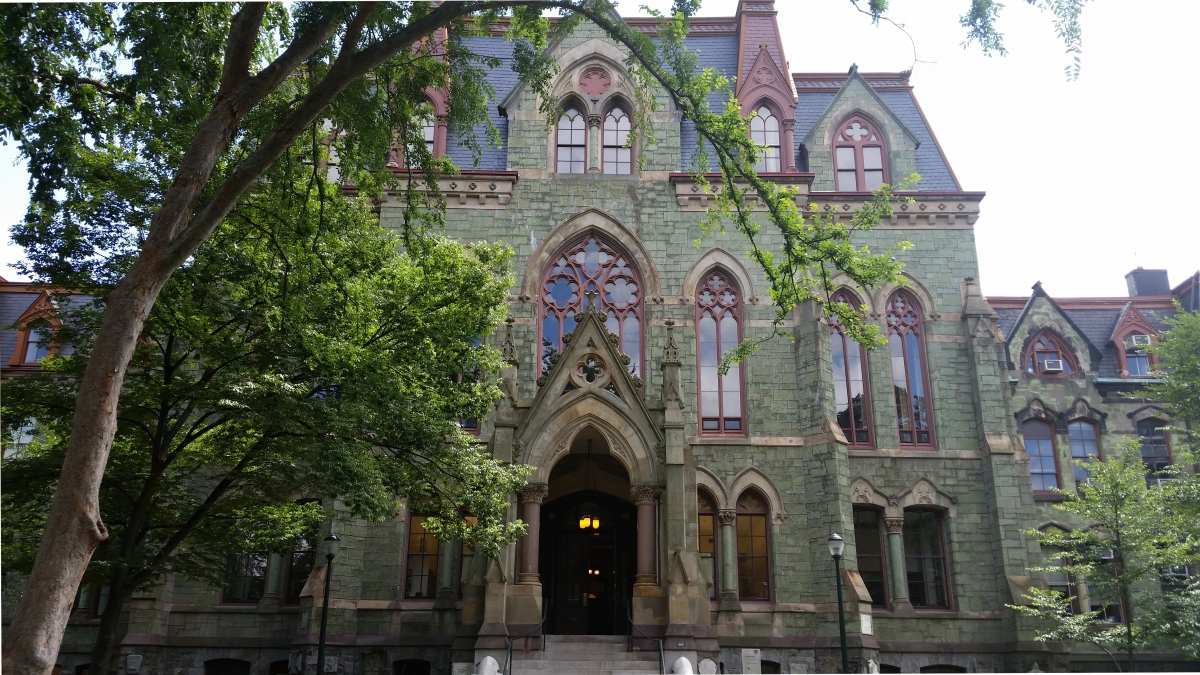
(716, 493)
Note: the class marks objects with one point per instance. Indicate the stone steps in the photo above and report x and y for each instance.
(585, 655)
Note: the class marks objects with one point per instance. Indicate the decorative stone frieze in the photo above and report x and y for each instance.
(475, 190)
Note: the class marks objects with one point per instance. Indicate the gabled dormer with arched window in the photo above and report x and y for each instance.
(859, 155)
(769, 99)
(1132, 338)
(765, 133)
(36, 330)
(1047, 355)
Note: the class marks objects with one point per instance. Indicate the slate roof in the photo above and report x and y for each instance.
(502, 79)
(1008, 319)
(935, 172)
(12, 306)
(718, 52)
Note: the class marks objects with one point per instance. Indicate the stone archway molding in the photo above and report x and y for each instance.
(752, 477)
(604, 225)
(712, 259)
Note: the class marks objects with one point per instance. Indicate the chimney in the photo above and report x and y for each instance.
(1147, 282)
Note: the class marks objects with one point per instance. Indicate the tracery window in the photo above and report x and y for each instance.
(592, 264)
(421, 569)
(753, 547)
(925, 559)
(910, 381)
(706, 514)
(764, 132)
(572, 142)
(1039, 445)
(617, 157)
(869, 545)
(850, 384)
(718, 329)
(1047, 356)
(1084, 447)
(858, 157)
(1156, 454)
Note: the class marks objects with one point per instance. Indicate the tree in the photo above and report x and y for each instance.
(299, 353)
(145, 125)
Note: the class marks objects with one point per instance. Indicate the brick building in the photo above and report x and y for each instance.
(696, 503)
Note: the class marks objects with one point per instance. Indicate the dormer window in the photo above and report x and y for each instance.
(859, 156)
(37, 345)
(764, 132)
(572, 142)
(1047, 356)
(1137, 358)
(616, 136)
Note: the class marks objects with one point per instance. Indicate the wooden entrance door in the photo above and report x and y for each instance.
(588, 573)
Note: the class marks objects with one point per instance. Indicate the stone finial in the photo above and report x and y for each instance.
(534, 492)
(508, 349)
(671, 353)
(592, 305)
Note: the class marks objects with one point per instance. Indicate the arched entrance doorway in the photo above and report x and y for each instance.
(588, 570)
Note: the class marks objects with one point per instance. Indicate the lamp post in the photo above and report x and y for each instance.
(331, 549)
(836, 546)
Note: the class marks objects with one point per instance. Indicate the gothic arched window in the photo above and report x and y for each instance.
(1047, 356)
(617, 157)
(718, 330)
(1043, 460)
(706, 516)
(859, 156)
(764, 131)
(850, 385)
(572, 142)
(910, 381)
(753, 547)
(591, 264)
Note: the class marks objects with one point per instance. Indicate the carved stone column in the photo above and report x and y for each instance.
(593, 148)
(646, 499)
(728, 553)
(531, 513)
(895, 555)
(273, 594)
(788, 149)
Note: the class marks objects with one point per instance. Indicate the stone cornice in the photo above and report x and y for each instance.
(932, 210)
(469, 190)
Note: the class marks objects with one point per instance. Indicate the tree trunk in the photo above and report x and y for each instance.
(106, 638)
(73, 528)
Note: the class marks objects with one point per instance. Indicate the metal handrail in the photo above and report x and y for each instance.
(508, 653)
(662, 660)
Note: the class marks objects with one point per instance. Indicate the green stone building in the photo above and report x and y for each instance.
(700, 505)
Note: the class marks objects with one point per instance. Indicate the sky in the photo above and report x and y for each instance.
(1077, 173)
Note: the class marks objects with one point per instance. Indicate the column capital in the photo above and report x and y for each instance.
(788, 123)
(727, 516)
(644, 494)
(534, 493)
(594, 120)
(894, 525)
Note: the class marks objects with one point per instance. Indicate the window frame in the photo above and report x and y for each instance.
(857, 147)
(735, 311)
(1065, 354)
(1161, 426)
(230, 561)
(45, 325)
(836, 332)
(765, 514)
(881, 531)
(945, 557)
(1125, 349)
(1071, 445)
(1052, 437)
(604, 146)
(710, 510)
(636, 309)
(917, 329)
(432, 583)
(1072, 583)
(565, 107)
(763, 158)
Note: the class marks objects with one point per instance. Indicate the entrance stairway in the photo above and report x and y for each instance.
(585, 655)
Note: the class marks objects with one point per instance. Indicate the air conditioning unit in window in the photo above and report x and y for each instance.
(1139, 340)
(1107, 554)
(1052, 366)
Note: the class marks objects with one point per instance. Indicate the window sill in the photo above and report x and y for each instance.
(1048, 497)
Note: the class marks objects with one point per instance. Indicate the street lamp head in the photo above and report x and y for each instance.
(331, 545)
(836, 545)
